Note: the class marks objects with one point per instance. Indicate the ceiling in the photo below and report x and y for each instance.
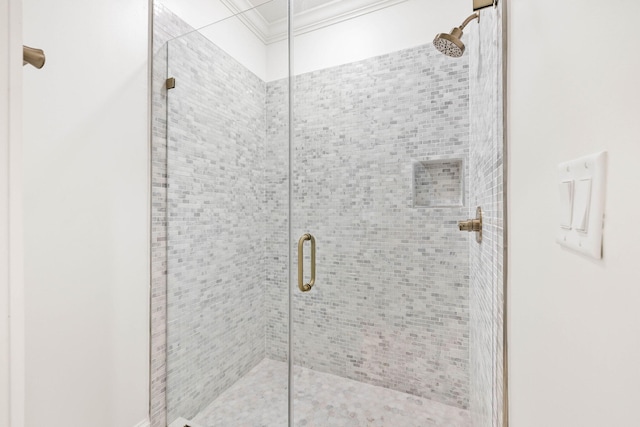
(268, 18)
(274, 10)
(271, 10)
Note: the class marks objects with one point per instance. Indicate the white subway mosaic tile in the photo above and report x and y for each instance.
(166, 26)
(392, 306)
(216, 217)
(486, 259)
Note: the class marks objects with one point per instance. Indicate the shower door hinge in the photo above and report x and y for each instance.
(171, 83)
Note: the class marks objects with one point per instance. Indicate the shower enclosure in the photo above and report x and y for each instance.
(308, 264)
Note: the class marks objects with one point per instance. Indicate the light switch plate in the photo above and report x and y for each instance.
(589, 177)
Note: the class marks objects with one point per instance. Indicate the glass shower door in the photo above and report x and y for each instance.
(329, 242)
(382, 338)
(226, 351)
(383, 170)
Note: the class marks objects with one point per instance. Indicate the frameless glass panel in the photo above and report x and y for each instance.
(226, 364)
(396, 315)
(383, 170)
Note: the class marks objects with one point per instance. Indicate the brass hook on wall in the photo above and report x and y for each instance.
(33, 56)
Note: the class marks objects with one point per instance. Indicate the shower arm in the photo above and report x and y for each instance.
(469, 19)
(457, 31)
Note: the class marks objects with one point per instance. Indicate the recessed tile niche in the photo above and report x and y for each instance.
(438, 183)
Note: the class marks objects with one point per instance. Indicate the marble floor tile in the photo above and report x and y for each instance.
(259, 399)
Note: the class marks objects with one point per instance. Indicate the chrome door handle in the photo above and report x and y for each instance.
(306, 287)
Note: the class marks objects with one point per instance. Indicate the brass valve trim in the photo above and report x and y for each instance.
(473, 225)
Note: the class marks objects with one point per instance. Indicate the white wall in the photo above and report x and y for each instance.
(216, 22)
(11, 240)
(86, 214)
(232, 36)
(402, 26)
(198, 13)
(4, 213)
(574, 322)
(398, 27)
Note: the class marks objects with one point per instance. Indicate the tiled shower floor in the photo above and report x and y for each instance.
(259, 399)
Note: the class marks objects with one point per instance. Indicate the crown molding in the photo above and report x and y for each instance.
(307, 21)
(250, 17)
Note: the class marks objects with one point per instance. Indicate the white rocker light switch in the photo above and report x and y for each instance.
(582, 185)
(566, 204)
(582, 205)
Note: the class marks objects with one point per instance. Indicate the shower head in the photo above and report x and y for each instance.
(450, 43)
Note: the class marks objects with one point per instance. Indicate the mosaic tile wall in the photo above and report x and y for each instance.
(390, 306)
(166, 26)
(485, 169)
(276, 233)
(215, 218)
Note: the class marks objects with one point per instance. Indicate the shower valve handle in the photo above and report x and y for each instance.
(473, 225)
(470, 225)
